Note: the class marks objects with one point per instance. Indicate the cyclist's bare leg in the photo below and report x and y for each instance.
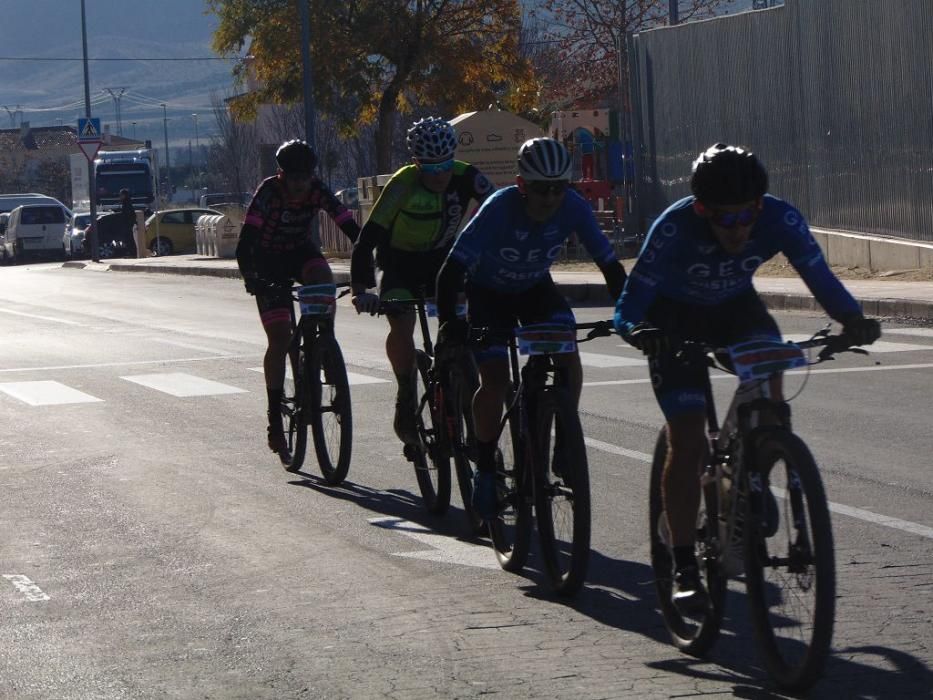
(574, 373)
(489, 399)
(278, 335)
(400, 349)
(680, 486)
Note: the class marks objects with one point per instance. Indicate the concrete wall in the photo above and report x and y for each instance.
(873, 252)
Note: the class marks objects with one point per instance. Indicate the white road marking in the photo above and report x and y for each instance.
(25, 586)
(352, 377)
(919, 332)
(593, 359)
(814, 370)
(46, 393)
(189, 346)
(445, 549)
(130, 363)
(858, 513)
(877, 346)
(42, 318)
(183, 385)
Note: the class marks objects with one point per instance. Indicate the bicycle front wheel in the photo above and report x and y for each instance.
(432, 464)
(295, 406)
(330, 414)
(790, 569)
(693, 635)
(510, 530)
(562, 492)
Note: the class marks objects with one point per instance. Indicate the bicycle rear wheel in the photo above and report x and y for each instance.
(510, 530)
(693, 635)
(460, 387)
(330, 413)
(562, 492)
(295, 402)
(790, 569)
(432, 465)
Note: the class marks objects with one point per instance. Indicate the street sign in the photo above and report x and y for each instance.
(89, 148)
(88, 129)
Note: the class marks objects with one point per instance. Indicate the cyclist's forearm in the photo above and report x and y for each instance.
(362, 268)
(244, 248)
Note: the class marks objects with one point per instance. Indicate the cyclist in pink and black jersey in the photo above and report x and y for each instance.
(276, 248)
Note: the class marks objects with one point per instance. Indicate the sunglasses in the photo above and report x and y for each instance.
(731, 219)
(542, 188)
(434, 168)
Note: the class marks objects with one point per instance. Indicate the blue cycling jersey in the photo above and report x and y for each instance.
(503, 249)
(682, 260)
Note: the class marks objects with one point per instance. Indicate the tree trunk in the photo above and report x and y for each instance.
(385, 129)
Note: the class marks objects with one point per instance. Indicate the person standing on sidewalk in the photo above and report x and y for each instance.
(276, 249)
(412, 227)
(693, 281)
(505, 253)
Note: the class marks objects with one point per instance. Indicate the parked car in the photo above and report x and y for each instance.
(172, 230)
(35, 230)
(4, 220)
(75, 233)
(114, 237)
(215, 198)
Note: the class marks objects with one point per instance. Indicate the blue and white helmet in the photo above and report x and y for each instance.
(543, 159)
(432, 139)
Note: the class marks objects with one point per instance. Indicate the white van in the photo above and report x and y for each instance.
(9, 202)
(35, 230)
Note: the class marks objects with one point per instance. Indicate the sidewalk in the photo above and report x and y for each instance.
(912, 300)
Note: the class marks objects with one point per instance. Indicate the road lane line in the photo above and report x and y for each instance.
(25, 586)
(919, 332)
(594, 359)
(837, 370)
(42, 318)
(444, 548)
(858, 513)
(130, 363)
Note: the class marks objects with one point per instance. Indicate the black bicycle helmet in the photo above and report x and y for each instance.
(728, 175)
(296, 157)
(543, 159)
(431, 139)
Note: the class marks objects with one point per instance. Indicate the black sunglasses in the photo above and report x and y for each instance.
(545, 187)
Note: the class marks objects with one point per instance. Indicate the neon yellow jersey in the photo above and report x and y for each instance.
(419, 220)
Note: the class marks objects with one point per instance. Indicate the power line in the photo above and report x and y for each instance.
(189, 58)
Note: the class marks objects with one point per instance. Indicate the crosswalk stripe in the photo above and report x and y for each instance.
(352, 377)
(183, 385)
(46, 393)
(593, 359)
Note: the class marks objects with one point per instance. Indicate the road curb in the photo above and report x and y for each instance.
(577, 292)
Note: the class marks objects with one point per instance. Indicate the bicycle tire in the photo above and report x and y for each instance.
(795, 558)
(694, 636)
(432, 466)
(460, 386)
(294, 409)
(562, 492)
(330, 412)
(510, 530)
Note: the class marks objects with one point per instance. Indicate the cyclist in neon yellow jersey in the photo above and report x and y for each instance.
(411, 228)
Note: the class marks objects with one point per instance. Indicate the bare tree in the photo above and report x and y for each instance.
(235, 150)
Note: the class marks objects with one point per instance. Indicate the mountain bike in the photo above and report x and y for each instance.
(541, 459)
(444, 418)
(319, 393)
(763, 514)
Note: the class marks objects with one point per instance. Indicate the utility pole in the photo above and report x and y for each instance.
(306, 71)
(168, 167)
(674, 12)
(91, 180)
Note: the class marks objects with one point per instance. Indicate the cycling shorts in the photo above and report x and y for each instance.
(679, 385)
(407, 275)
(487, 308)
(276, 306)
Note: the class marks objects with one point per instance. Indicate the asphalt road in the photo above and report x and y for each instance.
(152, 547)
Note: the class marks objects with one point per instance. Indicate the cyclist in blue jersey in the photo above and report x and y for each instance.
(505, 253)
(693, 280)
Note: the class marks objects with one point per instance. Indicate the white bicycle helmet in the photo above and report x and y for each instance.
(543, 159)
(432, 139)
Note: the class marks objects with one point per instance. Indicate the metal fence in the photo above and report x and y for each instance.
(835, 96)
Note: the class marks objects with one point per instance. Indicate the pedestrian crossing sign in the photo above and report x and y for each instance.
(89, 129)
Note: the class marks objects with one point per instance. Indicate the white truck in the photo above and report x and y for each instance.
(136, 170)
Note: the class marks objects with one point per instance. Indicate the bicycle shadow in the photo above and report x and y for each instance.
(621, 594)
(395, 503)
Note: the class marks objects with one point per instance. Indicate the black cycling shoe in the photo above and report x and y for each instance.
(688, 594)
(404, 424)
(771, 518)
(278, 443)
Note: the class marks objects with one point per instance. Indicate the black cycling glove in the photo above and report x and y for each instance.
(650, 340)
(861, 330)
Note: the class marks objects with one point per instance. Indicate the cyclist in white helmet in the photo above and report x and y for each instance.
(505, 253)
(411, 228)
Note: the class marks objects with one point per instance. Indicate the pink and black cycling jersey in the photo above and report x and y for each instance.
(284, 225)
